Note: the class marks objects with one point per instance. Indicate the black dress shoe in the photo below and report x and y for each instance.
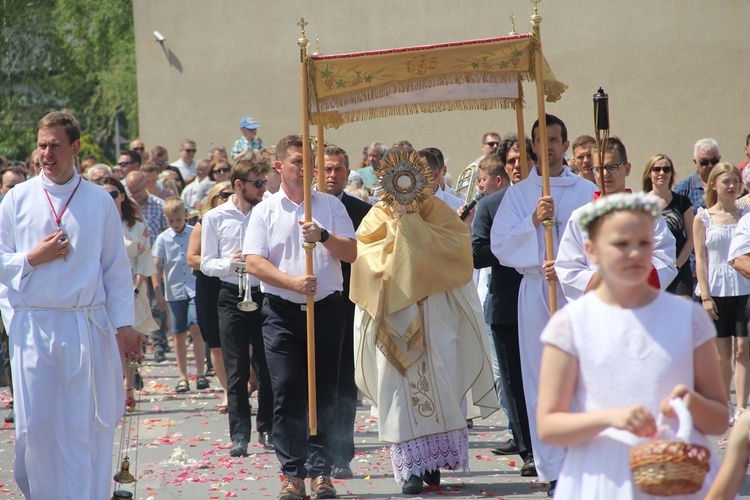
(239, 449)
(342, 471)
(159, 356)
(265, 439)
(528, 469)
(9, 418)
(412, 486)
(137, 381)
(507, 448)
(551, 490)
(432, 477)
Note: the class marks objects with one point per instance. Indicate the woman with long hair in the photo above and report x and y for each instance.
(723, 291)
(658, 179)
(207, 289)
(138, 248)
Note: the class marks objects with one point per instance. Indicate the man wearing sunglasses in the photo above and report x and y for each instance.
(138, 146)
(187, 164)
(221, 250)
(129, 161)
(576, 274)
(490, 143)
(705, 157)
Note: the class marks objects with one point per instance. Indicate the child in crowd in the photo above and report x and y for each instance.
(170, 256)
(618, 354)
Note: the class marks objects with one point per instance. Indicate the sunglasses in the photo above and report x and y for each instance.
(224, 195)
(667, 169)
(492, 143)
(221, 171)
(114, 194)
(125, 163)
(191, 150)
(139, 149)
(260, 183)
(706, 161)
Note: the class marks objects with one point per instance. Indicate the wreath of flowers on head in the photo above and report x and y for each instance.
(405, 179)
(641, 202)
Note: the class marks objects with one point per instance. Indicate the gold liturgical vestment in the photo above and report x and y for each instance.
(420, 339)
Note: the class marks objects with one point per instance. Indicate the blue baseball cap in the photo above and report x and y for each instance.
(249, 122)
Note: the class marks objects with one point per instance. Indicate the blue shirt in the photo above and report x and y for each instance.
(171, 248)
(692, 187)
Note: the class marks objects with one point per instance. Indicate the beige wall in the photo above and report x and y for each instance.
(675, 70)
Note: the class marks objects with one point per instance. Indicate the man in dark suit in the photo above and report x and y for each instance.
(336, 172)
(501, 309)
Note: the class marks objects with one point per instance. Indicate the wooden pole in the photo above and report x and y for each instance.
(312, 396)
(321, 159)
(521, 133)
(543, 159)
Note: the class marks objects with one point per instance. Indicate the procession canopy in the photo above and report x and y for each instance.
(468, 75)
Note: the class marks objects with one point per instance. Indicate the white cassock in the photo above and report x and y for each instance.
(67, 375)
(517, 243)
(575, 271)
(740, 240)
(452, 200)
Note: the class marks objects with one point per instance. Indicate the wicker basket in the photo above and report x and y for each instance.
(670, 467)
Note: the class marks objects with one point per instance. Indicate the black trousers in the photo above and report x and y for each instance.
(238, 330)
(285, 337)
(509, 359)
(346, 405)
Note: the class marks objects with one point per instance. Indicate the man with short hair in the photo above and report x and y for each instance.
(375, 152)
(138, 146)
(151, 175)
(517, 239)
(186, 164)
(223, 229)
(96, 173)
(336, 172)
(575, 272)
(10, 177)
(249, 140)
(501, 309)
(705, 157)
(583, 157)
(433, 162)
(70, 289)
(511, 156)
(274, 254)
(129, 161)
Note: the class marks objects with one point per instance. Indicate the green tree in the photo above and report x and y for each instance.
(73, 54)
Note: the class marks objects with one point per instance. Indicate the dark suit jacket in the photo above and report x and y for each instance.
(357, 209)
(502, 303)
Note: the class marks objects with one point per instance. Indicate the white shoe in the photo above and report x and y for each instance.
(737, 413)
(731, 413)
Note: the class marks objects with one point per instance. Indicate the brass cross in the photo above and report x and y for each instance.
(302, 23)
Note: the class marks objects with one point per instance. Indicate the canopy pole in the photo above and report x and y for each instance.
(312, 396)
(543, 160)
(521, 134)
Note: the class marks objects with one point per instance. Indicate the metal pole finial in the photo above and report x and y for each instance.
(317, 46)
(512, 24)
(302, 41)
(536, 19)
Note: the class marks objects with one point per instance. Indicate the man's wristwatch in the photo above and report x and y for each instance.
(324, 235)
(136, 291)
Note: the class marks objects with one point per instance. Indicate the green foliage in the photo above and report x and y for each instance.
(90, 147)
(72, 54)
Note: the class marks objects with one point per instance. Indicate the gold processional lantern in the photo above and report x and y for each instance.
(123, 475)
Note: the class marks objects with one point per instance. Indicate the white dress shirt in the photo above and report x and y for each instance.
(274, 233)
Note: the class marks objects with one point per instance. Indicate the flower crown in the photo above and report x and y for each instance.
(642, 202)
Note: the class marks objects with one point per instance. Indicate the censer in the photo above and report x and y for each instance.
(123, 475)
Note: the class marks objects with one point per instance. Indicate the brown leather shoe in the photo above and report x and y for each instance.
(292, 489)
(322, 487)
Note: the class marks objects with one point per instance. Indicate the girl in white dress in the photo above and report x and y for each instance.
(722, 289)
(614, 358)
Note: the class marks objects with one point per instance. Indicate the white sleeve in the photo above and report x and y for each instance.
(212, 263)
(571, 264)
(513, 238)
(14, 266)
(740, 241)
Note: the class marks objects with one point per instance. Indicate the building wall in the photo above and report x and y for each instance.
(674, 70)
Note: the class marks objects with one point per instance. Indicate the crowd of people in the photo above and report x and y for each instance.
(434, 308)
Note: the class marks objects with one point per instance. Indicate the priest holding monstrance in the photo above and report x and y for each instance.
(421, 353)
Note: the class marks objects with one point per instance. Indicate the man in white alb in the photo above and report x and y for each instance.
(517, 240)
(69, 285)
